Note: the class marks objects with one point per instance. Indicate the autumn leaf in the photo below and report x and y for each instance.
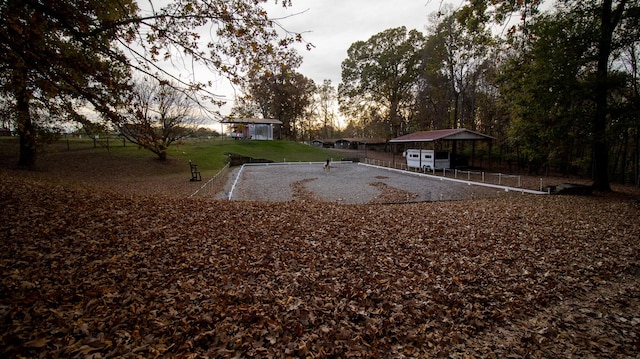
(89, 271)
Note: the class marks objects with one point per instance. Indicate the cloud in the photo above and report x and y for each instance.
(333, 25)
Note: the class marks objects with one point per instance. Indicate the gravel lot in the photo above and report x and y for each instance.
(348, 183)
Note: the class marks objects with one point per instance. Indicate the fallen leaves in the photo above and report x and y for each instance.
(101, 274)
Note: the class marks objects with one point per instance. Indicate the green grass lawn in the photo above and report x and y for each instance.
(214, 153)
(210, 155)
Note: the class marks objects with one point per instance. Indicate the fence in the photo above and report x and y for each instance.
(211, 187)
(499, 179)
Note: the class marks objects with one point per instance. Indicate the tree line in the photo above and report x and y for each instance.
(103, 63)
(556, 86)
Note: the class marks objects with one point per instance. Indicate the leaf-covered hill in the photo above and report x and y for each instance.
(92, 273)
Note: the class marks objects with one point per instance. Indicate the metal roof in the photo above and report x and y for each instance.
(261, 121)
(363, 140)
(350, 139)
(450, 134)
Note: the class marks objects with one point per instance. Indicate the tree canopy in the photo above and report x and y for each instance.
(557, 86)
(546, 85)
(277, 90)
(161, 114)
(64, 55)
(380, 75)
(612, 21)
(58, 55)
(558, 89)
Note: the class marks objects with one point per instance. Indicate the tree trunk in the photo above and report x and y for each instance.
(608, 22)
(600, 148)
(26, 131)
(625, 154)
(394, 118)
(637, 158)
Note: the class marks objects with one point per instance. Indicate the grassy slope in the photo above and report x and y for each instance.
(210, 155)
(130, 170)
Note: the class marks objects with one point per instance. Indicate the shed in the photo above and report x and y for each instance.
(253, 128)
(454, 135)
(325, 143)
(360, 143)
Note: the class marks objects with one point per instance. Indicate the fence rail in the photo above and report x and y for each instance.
(210, 187)
(499, 179)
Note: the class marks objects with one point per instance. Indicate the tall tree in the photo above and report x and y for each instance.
(161, 115)
(611, 17)
(66, 53)
(462, 54)
(625, 104)
(56, 53)
(634, 107)
(381, 73)
(433, 89)
(323, 108)
(280, 91)
(545, 84)
(327, 101)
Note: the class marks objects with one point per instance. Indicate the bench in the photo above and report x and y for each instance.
(195, 173)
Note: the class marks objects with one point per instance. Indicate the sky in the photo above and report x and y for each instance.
(333, 25)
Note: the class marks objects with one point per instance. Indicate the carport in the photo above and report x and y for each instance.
(437, 137)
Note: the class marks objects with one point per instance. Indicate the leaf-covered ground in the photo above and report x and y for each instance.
(91, 273)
